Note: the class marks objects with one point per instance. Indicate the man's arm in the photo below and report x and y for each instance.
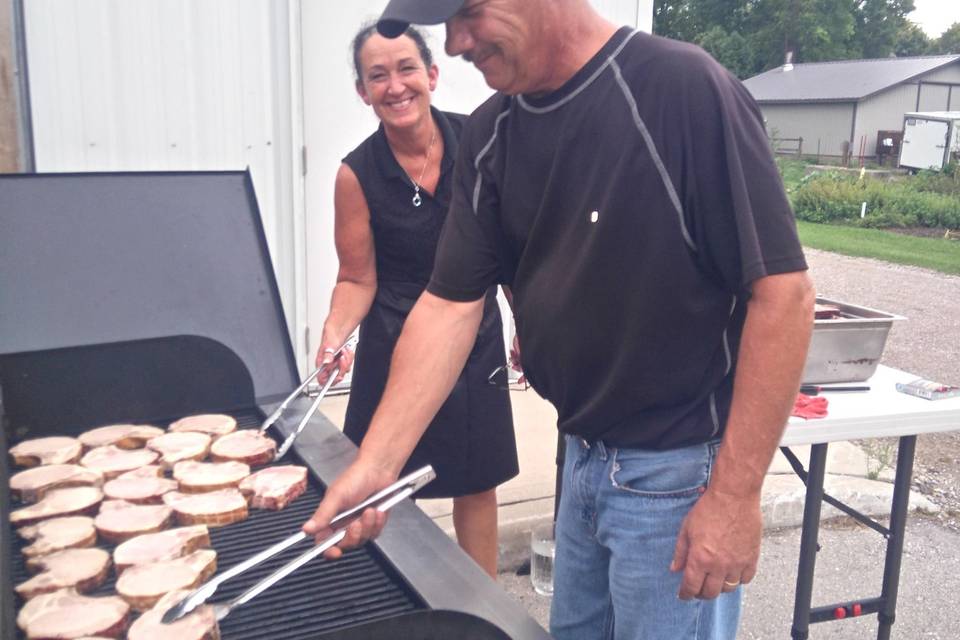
(720, 539)
(433, 347)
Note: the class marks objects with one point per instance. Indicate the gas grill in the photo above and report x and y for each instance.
(144, 297)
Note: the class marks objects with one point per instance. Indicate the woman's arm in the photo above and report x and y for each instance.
(357, 276)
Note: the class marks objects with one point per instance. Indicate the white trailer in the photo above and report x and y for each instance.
(930, 139)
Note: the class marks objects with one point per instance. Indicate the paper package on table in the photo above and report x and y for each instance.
(928, 389)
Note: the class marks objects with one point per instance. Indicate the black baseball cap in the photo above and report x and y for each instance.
(400, 14)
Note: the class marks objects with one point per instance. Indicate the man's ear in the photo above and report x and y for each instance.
(358, 85)
(433, 73)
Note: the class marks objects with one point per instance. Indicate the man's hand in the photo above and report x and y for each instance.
(354, 485)
(719, 545)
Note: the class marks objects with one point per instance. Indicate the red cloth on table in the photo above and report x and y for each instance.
(809, 407)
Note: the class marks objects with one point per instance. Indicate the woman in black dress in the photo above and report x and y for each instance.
(390, 201)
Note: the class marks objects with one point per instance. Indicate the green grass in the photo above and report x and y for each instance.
(938, 254)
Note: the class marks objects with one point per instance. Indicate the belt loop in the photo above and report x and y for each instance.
(601, 450)
(583, 443)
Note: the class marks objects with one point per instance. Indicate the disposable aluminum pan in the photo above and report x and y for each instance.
(847, 349)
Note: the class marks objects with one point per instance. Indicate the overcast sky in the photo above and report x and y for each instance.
(935, 16)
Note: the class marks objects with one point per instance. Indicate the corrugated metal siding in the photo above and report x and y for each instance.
(828, 123)
(934, 97)
(884, 112)
(950, 73)
(167, 85)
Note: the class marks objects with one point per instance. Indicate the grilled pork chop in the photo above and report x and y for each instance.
(57, 534)
(214, 509)
(214, 424)
(274, 487)
(145, 485)
(80, 569)
(53, 450)
(67, 614)
(247, 445)
(119, 520)
(178, 446)
(143, 585)
(158, 547)
(69, 501)
(124, 436)
(200, 624)
(198, 477)
(113, 461)
(33, 484)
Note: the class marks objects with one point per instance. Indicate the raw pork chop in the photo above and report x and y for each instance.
(119, 520)
(57, 534)
(33, 484)
(274, 487)
(80, 569)
(200, 624)
(70, 501)
(53, 450)
(198, 477)
(67, 614)
(187, 445)
(215, 509)
(125, 436)
(145, 485)
(112, 461)
(248, 446)
(144, 584)
(157, 547)
(214, 424)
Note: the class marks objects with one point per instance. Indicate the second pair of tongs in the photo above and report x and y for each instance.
(382, 501)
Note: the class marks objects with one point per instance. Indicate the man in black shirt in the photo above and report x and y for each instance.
(622, 186)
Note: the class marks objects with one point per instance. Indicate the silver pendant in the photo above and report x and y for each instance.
(417, 200)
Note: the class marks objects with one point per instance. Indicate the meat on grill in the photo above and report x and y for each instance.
(52, 450)
(113, 461)
(214, 509)
(198, 477)
(826, 311)
(247, 445)
(67, 614)
(143, 585)
(125, 436)
(199, 624)
(274, 487)
(32, 484)
(158, 547)
(57, 534)
(80, 569)
(214, 424)
(145, 485)
(119, 520)
(69, 501)
(178, 446)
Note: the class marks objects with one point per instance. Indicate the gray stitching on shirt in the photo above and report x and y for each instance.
(713, 415)
(662, 170)
(476, 161)
(726, 342)
(586, 83)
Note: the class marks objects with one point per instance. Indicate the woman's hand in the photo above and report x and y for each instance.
(328, 360)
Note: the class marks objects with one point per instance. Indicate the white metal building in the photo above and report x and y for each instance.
(850, 101)
(120, 85)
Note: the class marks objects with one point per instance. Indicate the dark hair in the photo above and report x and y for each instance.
(370, 28)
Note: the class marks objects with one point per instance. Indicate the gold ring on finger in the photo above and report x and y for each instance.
(731, 584)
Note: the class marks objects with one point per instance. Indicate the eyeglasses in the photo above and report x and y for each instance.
(503, 382)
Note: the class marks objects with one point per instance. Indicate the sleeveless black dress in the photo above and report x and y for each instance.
(470, 442)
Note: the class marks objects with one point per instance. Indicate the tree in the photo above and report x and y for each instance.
(949, 41)
(731, 50)
(877, 24)
(911, 41)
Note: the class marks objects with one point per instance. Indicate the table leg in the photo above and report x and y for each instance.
(898, 522)
(808, 542)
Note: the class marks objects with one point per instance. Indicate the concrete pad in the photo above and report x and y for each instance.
(843, 458)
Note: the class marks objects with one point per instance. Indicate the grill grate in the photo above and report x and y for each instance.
(321, 596)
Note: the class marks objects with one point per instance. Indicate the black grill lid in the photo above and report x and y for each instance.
(103, 258)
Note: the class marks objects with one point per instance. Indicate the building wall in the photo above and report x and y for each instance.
(934, 97)
(950, 73)
(883, 111)
(9, 137)
(827, 123)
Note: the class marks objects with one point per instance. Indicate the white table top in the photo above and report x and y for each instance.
(879, 413)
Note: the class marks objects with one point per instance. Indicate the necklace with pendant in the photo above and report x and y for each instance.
(417, 200)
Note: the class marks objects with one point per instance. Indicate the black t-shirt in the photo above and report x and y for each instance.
(629, 211)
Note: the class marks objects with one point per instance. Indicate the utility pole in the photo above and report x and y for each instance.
(11, 156)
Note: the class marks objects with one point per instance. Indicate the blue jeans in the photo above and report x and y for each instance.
(620, 512)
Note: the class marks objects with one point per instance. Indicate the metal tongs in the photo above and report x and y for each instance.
(278, 412)
(382, 501)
